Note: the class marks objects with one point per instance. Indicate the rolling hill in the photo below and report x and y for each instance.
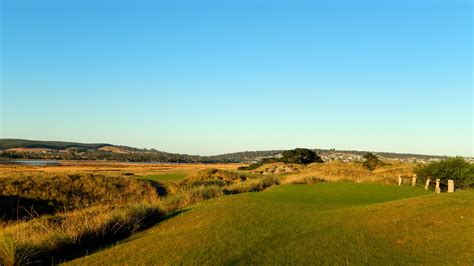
(6, 144)
(61, 150)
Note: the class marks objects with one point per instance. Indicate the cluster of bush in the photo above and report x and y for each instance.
(296, 156)
(456, 169)
(372, 161)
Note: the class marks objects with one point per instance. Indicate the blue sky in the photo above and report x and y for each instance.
(209, 77)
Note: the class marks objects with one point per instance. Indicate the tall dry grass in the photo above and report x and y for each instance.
(29, 196)
(252, 185)
(52, 216)
(350, 172)
(50, 239)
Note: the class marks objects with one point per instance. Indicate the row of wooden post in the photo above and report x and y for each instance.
(427, 184)
(413, 180)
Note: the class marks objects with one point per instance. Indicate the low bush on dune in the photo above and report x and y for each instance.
(456, 169)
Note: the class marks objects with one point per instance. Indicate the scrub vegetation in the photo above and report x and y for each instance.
(296, 156)
(456, 169)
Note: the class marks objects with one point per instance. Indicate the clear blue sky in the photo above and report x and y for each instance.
(208, 77)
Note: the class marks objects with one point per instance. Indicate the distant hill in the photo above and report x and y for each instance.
(60, 150)
(6, 144)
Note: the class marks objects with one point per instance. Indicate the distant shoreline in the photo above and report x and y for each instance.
(46, 162)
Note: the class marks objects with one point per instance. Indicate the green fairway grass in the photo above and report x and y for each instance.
(328, 223)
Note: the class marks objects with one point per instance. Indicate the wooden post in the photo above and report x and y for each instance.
(450, 185)
(427, 185)
(399, 180)
(413, 181)
(437, 189)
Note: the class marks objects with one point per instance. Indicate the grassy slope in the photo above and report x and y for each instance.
(330, 223)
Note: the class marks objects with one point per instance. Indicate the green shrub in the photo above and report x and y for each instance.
(456, 169)
(300, 156)
(372, 161)
(297, 156)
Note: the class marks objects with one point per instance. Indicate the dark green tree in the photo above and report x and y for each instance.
(300, 156)
(371, 161)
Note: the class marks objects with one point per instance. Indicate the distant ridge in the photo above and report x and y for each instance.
(62, 150)
(6, 144)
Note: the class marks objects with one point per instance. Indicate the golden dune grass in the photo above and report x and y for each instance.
(38, 240)
(353, 172)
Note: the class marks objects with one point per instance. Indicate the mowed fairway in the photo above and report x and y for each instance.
(328, 223)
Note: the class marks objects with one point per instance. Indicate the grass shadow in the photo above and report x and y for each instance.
(13, 208)
(93, 243)
(159, 187)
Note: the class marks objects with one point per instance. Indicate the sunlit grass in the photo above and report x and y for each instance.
(328, 223)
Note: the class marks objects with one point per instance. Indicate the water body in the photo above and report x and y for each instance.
(31, 162)
(58, 162)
